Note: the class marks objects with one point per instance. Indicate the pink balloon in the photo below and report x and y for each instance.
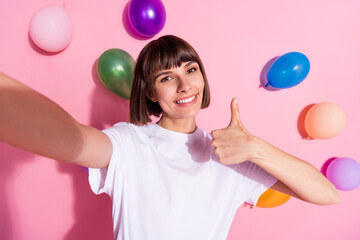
(51, 28)
(344, 173)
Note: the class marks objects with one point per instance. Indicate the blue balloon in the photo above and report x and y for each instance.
(288, 70)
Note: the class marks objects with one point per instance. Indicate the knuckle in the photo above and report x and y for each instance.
(225, 161)
(215, 143)
(213, 133)
(221, 156)
(218, 152)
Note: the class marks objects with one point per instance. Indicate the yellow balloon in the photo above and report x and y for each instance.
(324, 120)
(271, 198)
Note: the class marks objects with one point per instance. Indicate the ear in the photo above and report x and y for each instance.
(151, 96)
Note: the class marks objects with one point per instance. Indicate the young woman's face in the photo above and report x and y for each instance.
(179, 90)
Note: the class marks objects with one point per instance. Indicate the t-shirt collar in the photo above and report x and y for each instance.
(174, 136)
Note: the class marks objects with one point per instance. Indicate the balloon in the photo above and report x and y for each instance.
(51, 29)
(324, 120)
(271, 198)
(344, 173)
(288, 70)
(147, 17)
(115, 69)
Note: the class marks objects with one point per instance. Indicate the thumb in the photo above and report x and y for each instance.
(235, 115)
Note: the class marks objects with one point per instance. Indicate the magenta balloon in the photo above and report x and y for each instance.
(147, 16)
(344, 173)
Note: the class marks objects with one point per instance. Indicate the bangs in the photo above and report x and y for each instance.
(168, 54)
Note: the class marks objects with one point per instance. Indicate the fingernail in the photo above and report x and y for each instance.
(235, 100)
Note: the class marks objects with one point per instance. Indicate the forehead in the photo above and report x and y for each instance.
(181, 65)
(161, 60)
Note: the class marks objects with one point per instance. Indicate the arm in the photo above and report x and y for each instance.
(31, 121)
(298, 178)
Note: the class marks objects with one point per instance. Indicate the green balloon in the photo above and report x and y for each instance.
(115, 69)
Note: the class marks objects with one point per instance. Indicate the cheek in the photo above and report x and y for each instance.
(163, 94)
(201, 85)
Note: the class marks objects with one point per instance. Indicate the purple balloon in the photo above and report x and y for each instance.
(344, 173)
(147, 16)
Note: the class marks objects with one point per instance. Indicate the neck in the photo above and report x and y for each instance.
(184, 125)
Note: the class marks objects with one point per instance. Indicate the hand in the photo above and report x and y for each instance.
(234, 144)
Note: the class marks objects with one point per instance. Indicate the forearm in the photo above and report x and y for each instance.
(31, 121)
(301, 177)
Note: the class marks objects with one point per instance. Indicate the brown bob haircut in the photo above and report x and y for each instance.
(164, 53)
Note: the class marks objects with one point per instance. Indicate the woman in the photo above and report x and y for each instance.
(169, 180)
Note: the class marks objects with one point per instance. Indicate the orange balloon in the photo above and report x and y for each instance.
(325, 120)
(271, 198)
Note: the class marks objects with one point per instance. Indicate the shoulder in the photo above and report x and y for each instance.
(118, 131)
(125, 131)
(121, 128)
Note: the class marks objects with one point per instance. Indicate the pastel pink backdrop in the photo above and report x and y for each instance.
(44, 199)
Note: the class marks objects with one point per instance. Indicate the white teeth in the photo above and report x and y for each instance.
(185, 100)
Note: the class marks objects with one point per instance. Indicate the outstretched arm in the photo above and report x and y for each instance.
(298, 178)
(33, 122)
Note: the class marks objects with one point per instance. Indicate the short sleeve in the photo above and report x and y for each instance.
(102, 180)
(257, 181)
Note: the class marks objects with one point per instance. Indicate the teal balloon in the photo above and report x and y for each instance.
(115, 69)
(288, 70)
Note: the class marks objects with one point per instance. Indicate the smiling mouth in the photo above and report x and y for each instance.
(186, 100)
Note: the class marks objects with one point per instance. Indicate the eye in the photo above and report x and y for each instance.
(193, 69)
(167, 78)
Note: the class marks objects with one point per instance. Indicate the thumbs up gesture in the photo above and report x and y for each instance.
(234, 144)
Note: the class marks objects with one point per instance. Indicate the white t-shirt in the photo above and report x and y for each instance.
(166, 185)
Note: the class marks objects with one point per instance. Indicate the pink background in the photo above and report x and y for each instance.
(44, 199)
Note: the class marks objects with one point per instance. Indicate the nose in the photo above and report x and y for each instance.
(183, 85)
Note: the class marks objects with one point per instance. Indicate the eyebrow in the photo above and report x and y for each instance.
(168, 72)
